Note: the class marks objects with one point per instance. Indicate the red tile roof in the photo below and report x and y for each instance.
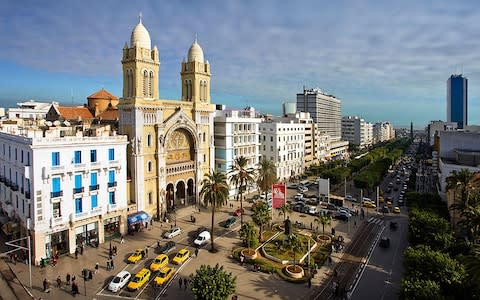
(74, 113)
(109, 115)
(102, 94)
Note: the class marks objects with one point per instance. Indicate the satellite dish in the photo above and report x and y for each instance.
(66, 123)
(56, 123)
(48, 123)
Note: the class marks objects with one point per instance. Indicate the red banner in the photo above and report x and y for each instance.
(278, 195)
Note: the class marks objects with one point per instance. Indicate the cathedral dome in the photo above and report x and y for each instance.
(141, 36)
(195, 53)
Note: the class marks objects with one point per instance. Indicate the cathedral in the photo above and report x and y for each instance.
(170, 141)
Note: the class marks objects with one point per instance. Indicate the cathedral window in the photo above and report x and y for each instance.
(149, 166)
(145, 83)
(149, 140)
(150, 85)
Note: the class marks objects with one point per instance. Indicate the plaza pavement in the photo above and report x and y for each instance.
(250, 285)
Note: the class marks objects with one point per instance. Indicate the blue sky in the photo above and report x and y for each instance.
(386, 60)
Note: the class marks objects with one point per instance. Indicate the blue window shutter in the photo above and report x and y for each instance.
(93, 178)
(78, 181)
(94, 200)
(111, 176)
(56, 184)
(111, 154)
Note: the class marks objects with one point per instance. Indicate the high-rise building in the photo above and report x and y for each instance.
(457, 97)
(324, 109)
(383, 131)
(357, 131)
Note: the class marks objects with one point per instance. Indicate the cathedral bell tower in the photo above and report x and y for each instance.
(141, 66)
(195, 76)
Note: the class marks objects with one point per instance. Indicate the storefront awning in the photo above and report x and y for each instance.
(138, 217)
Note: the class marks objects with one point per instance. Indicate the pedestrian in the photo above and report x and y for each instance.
(151, 222)
(311, 226)
(158, 244)
(180, 282)
(108, 265)
(111, 264)
(334, 286)
(76, 253)
(114, 250)
(81, 249)
(242, 258)
(185, 282)
(196, 252)
(59, 282)
(355, 223)
(45, 286)
(309, 282)
(122, 240)
(73, 279)
(96, 268)
(146, 251)
(68, 278)
(110, 253)
(74, 289)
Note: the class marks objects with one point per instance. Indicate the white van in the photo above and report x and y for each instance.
(312, 210)
(202, 238)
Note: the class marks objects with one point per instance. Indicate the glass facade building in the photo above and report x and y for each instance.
(457, 96)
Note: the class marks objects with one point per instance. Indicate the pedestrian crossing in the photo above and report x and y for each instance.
(375, 220)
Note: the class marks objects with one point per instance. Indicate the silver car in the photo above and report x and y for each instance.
(119, 281)
(172, 232)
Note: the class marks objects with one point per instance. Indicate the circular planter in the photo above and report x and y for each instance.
(249, 253)
(324, 239)
(294, 271)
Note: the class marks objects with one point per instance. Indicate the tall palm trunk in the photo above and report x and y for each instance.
(241, 208)
(213, 222)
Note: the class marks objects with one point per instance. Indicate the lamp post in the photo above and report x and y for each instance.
(18, 247)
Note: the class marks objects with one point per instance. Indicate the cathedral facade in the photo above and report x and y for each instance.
(170, 141)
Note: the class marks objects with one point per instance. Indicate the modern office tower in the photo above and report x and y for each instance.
(65, 185)
(357, 131)
(171, 141)
(236, 134)
(324, 109)
(457, 100)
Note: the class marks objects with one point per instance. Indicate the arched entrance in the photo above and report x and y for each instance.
(180, 194)
(190, 192)
(169, 196)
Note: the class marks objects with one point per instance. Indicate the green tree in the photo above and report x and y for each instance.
(324, 220)
(472, 264)
(419, 289)
(295, 245)
(266, 176)
(261, 216)
(241, 176)
(426, 227)
(423, 263)
(214, 192)
(248, 232)
(212, 283)
(460, 180)
(284, 210)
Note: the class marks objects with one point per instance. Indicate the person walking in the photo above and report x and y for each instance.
(45, 286)
(96, 268)
(76, 253)
(180, 282)
(111, 264)
(59, 282)
(309, 282)
(108, 265)
(122, 240)
(68, 278)
(146, 251)
(196, 252)
(185, 282)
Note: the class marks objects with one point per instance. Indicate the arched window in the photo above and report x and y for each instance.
(145, 83)
(150, 84)
(149, 140)
(201, 90)
(132, 80)
(185, 96)
(149, 166)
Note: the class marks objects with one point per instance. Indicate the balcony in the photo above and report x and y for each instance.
(180, 168)
(112, 184)
(78, 190)
(27, 195)
(2, 178)
(56, 194)
(14, 187)
(94, 187)
(8, 183)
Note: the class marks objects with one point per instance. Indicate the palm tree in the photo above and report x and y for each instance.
(267, 175)
(284, 210)
(472, 263)
(324, 220)
(215, 193)
(241, 176)
(261, 216)
(295, 245)
(460, 180)
(248, 232)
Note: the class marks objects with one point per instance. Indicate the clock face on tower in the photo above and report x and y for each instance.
(179, 147)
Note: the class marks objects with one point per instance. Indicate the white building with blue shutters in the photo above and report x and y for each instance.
(66, 184)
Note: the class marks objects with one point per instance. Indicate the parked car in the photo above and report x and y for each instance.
(139, 279)
(202, 238)
(303, 189)
(238, 212)
(345, 211)
(351, 198)
(331, 206)
(312, 210)
(298, 207)
(159, 262)
(164, 275)
(172, 232)
(396, 210)
(385, 209)
(165, 248)
(229, 222)
(181, 256)
(401, 202)
(119, 281)
(342, 216)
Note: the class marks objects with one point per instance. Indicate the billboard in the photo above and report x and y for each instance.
(278, 195)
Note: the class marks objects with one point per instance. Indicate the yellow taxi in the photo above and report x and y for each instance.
(159, 262)
(164, 275)
(389, 204)
(368, 204)
(380, 199)
(139, 280)
(136, 256)
(396, 210)
(181, 256)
